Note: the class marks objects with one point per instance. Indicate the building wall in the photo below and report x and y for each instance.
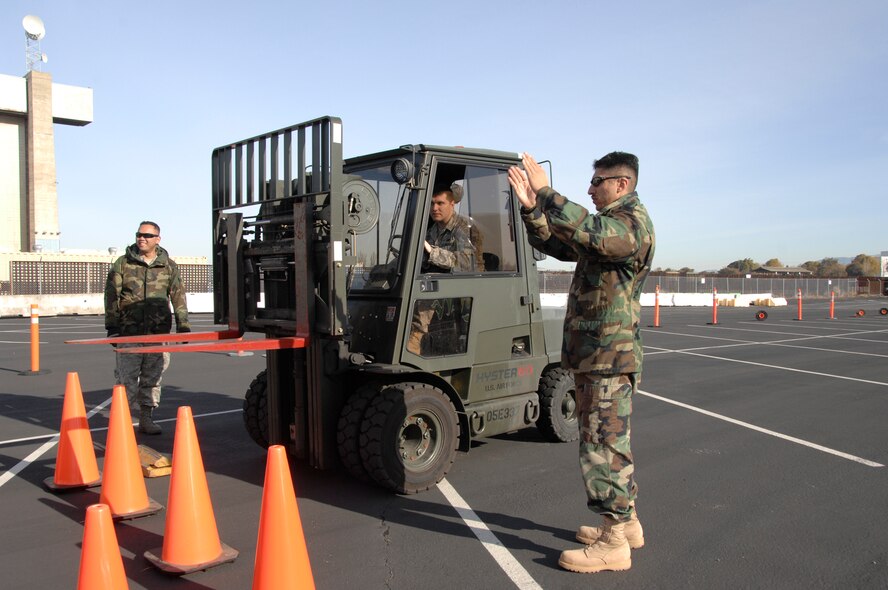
(29, 107)
(12, 182)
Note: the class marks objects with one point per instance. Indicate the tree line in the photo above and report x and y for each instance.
(863, 265)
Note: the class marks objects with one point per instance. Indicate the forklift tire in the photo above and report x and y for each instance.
(558, 419)
(348, 433)
(409, 437)
(256, 410)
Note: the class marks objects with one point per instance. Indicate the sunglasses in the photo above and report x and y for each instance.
(597, 180)
(146, 236)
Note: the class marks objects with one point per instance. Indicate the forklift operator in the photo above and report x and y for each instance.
(452, 244)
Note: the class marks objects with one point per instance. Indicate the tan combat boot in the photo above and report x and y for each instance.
(634, 533)
(610, 552)
(146, 424)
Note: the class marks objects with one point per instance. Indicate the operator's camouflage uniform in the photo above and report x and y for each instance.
(137, 301)
(456, 247)
(602, 338)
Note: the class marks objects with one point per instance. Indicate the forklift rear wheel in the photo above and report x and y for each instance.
(348, 432)
(256, 410)
(558, 420)
(409, 437)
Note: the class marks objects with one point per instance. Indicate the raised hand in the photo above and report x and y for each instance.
(536, 176)
(518, 180)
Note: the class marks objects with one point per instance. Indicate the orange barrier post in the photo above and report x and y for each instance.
(832, 305)
(35, 344)
(123, 488)
(714, 306)
(281, 554)
(76, 465)
(191, 540)
(657, 307)
(101, 567)
(800, 304)
(35, 339)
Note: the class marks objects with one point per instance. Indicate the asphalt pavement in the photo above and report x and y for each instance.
(760, 449)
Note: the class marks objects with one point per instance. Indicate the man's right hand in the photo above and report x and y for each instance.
(518, 180)
(536, 176)
(112, 333)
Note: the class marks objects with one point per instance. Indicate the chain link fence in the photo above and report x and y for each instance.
(788, 287)
(58, 278)
(65, 278)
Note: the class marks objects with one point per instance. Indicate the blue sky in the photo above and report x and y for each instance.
(761, 127)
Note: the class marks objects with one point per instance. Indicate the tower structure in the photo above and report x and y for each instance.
(29, 107)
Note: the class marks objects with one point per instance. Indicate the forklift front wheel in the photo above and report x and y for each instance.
(349, 430)
(409, 437)
(256, 410)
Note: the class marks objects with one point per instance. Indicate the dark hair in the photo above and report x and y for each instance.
(618, 160)
(156, 227)
(447, 192)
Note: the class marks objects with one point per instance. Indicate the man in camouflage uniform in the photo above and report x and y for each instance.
(140, 286)
(602, 338)
(452, 244)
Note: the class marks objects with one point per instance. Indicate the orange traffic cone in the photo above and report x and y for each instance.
(281, 554)
(76, 466)
(191, 540)
(123, 488)
(101, 567)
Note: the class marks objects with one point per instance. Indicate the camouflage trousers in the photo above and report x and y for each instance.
(604, 404)
(141, 374)
(423, 313)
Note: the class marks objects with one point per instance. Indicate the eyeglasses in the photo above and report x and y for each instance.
(597, 180)
(146, 236)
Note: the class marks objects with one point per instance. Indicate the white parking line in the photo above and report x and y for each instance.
(514, 570)
(793, 439)
(34, 456)
(21, 465)
(767, 366)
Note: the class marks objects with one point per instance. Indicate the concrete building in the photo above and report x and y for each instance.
(29, 107)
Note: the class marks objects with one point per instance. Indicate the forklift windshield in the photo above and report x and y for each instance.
(378, 250)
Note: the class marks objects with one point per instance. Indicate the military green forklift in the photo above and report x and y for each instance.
(325, 258)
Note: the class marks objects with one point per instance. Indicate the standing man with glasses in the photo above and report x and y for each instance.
(140, 287)
(602, 347)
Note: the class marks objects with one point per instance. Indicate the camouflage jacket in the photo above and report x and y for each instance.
(613, 251)
(138, 295)
(456, 247)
